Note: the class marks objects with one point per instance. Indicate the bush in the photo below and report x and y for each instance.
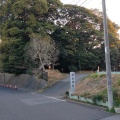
(116, 97)
(94, 75)
(96, 98)
(72, 68)
(102, 75)
(100, 97)
(86, 94)
(118, 82)
(104, 97)
(67, 94)
(29, 71)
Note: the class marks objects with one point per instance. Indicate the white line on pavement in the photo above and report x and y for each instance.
(54, 98)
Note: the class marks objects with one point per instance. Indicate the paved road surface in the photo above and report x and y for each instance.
(18, 105)
(59, 89)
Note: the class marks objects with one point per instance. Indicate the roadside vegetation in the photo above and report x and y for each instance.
(95, 87)
(55, 76)
(42, 33)
(39, 34)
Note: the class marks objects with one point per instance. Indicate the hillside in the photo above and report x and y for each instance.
(54, 76)
(95, 86)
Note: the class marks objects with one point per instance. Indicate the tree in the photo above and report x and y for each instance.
(79, 36)
(42, 49)
(19, 18)
(77, 31)
(80, 31)
(66, 43)
(113, 41)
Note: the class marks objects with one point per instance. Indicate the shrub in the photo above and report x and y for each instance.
(96, 98)
(100, 96)
(118, 82)
(29, 71)
(67, 94)
(94, 75)
(102, 75)
(116, 97)
(72, 68)
(86, 94)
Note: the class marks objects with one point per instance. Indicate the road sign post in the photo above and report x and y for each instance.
(72, 82)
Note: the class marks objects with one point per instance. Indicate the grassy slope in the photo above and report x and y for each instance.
(96, 85)
(54, 76)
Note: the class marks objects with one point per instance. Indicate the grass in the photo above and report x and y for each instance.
(55, 76)
(95, 87)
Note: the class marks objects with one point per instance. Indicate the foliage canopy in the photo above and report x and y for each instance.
(77, 32)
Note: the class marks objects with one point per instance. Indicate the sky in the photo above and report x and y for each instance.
(112, 7)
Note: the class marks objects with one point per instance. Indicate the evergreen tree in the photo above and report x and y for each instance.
(83, 30)
(19, 18)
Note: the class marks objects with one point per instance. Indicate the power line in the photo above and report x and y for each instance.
(78, 2)
(72, 2)
(88, 2)
(83, 2)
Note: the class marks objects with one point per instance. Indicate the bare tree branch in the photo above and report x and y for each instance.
(42, 48)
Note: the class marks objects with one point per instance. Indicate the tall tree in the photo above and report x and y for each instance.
(43, 50)
(113, 40)
(81, 27)
(86, 28)
(19, 19)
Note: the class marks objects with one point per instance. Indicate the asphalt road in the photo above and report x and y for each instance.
(58, 90)
(19, 105)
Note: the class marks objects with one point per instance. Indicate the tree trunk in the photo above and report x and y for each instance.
(41, 65)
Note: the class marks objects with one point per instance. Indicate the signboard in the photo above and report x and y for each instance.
(72, 82)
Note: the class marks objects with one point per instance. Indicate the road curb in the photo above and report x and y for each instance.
(86, 104)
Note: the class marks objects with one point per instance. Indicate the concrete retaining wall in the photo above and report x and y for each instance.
(21, 81)
(88, 100)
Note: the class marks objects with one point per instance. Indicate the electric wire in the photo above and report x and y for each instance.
(83, 2)
(78, 2)
(88, 2)
(72, 1)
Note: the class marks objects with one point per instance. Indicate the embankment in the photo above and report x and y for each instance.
(22, 81)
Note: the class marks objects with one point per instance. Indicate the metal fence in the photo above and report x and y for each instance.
(45, 75)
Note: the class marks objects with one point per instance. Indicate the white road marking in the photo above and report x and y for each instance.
(41, 100)
(55, 98)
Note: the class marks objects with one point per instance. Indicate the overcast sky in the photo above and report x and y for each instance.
(112, 6)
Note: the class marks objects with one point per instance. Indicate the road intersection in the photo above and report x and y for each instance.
(49, 105)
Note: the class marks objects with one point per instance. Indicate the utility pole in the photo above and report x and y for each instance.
(107, 58)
